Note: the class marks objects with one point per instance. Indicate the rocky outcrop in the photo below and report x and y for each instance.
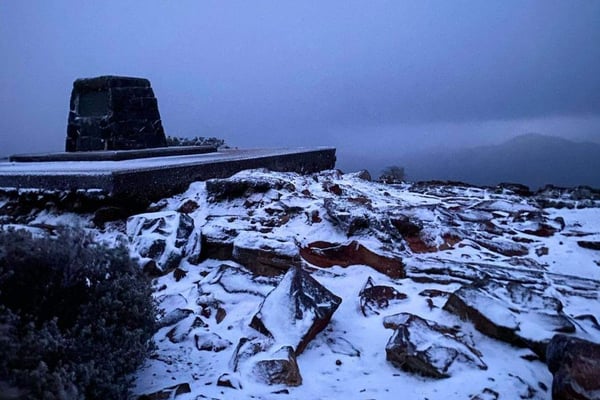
(243, 186)
(296, 310)
(512, 312)
(325, 255)
(163, 238)
(427, 348)
(575, 365)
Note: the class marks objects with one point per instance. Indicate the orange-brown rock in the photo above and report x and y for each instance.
(325, 255)
(418, 245)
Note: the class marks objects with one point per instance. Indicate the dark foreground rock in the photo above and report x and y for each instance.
(296, 310)
(575, 364)
(236, 187)
(427, 348)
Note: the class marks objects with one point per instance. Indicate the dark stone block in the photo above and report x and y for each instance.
(113, 113)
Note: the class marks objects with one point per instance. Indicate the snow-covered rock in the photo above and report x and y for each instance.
(280, 368)
(163, 237)
(265, 255)
(324, 254)
(512, 312)
(296, 310)
(427, 348)
(429, 241)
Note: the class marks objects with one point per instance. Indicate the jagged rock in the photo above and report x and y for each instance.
(517, 188)
(504, 247)
(356, 215)
(174, 317)
(406, 226)
(427, 348)
(486, 394)
(108, 214)
(417, 244)
(332, 188)
(151, 269)
(376, 297)
(168, 393)
(363, 174)
(325, 255)
(181, 331)
(586, 244)
(351, 219)
(239, 280)
(243, 186)
(210, 305)
(263, 255)
(296, 310)
(339, 345)
(247, 348)
(188, 206)
(512, 312)
(165, 237)
(473, 215)
(280, 369)
(230, 381)
(217, 241)
(575, 365)
(179, 274)
(210, 342)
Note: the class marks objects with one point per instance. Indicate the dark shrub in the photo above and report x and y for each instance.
(75, 317)
(195, 141)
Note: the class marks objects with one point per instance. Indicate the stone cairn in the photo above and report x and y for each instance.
(113, 113)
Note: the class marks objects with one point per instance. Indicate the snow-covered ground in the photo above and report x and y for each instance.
(447, 237)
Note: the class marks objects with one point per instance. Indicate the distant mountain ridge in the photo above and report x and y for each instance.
(532, 159)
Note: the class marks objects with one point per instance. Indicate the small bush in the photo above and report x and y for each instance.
(392, 174)
(75, 317)
(195, 141)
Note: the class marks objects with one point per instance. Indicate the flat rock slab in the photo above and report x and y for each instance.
(143, 180)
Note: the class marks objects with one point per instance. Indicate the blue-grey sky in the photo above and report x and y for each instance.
(370, 78)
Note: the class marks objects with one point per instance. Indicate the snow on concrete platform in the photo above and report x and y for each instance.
(148, 179)
(113, 155)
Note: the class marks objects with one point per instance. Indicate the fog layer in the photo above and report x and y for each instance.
(372, 79)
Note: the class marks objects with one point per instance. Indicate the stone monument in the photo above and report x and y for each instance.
(113, 123)
(113, 113)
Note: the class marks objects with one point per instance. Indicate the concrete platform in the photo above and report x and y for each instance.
(113, 155)
(142, 180)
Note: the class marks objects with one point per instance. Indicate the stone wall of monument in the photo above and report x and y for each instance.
(113, 113)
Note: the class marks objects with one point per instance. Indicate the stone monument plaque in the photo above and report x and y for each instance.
(113, 113)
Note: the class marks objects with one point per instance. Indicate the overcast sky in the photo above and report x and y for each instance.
(370, 78)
